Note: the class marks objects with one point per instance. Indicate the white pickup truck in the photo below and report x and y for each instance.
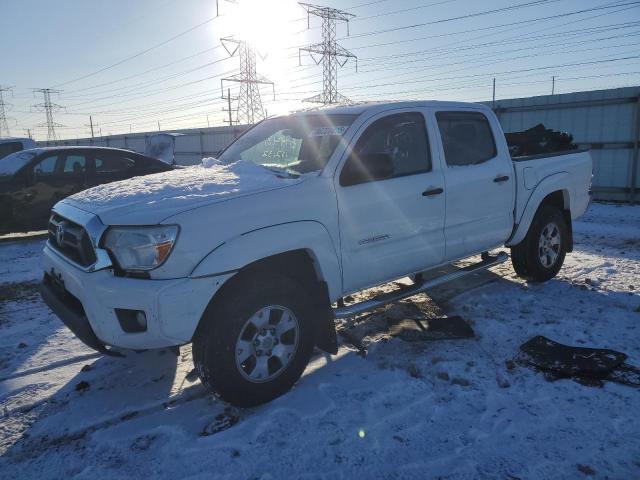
(249, 256)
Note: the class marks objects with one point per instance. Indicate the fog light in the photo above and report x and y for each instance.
(132, 321)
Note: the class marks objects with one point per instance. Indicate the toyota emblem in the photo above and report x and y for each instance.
(59, 234)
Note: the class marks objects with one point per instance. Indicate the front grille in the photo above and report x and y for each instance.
(71, 240)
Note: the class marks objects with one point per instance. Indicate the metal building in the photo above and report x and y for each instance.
(605, 121)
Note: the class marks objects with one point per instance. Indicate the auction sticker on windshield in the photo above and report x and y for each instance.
(328, 131)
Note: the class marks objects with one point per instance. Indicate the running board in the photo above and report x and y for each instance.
(405, 292)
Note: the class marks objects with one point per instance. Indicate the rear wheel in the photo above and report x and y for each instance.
(541, 253)
(255, 340)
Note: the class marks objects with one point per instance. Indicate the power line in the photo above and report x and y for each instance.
(459, 17)
(126, 59)
(160, 67)
(539, 19)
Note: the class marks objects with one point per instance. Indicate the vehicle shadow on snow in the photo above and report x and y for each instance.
(103, 393)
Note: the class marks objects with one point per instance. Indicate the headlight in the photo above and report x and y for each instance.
(140, 248)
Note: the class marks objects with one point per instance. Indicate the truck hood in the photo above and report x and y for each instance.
(149, 199)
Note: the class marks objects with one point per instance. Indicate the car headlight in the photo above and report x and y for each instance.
(140, 248)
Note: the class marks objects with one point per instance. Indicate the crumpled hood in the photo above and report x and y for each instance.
(149, 199)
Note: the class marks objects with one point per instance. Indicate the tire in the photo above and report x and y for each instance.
(236, 325)
(541, 253)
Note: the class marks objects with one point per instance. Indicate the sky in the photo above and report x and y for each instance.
(134, 64)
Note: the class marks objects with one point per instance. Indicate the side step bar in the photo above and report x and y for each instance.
(405, 292)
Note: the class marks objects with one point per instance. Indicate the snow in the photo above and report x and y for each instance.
(453, 409)
(179, 188)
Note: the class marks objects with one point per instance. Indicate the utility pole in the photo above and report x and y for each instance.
(4, 124)
(91, 124)
(158, 125)
(227, 110)
(249, 109)
(208, 125)
(48, 108)
(28, 130)
(553, 85)
(329, 52)
(493, 103)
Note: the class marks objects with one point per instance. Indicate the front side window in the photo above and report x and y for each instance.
(75, 164)
(298, 143)
(402, 138)
(467, 138)
(46, 166)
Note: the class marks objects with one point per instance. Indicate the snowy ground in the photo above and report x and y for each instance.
(455, 409)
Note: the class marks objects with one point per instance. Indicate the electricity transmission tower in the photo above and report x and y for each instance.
(329, 52)
(48, 108)
(249, 108)
(4, 124)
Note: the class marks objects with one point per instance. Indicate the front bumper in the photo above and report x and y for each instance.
(86, 303)
(71, 312)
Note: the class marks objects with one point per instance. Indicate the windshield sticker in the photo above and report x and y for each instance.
(328, 131)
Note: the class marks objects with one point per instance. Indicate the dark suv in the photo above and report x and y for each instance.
(32, 181)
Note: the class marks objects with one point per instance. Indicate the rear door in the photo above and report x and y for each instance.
(111, 166)
(479, 183)
(390, 227)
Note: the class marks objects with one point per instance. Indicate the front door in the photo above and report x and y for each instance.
(391, 227)
(54, 177)
(111, 166)
(479, 184)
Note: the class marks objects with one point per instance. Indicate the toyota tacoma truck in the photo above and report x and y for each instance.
(249, 256)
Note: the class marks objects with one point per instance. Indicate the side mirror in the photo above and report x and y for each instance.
(366, 168)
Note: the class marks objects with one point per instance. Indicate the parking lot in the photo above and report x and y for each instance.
(455, 408)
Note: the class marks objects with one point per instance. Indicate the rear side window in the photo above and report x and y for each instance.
(466, 137)
(75, 164)
(112, 163)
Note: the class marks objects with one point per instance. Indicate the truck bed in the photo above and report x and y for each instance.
(532, 170)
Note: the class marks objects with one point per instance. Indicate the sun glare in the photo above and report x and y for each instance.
(272, 27)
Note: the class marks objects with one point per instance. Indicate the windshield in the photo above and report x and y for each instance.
(297, 144)
(14, 162)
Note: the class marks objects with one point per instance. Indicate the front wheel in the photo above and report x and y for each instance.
(541, 253)
(255, 340)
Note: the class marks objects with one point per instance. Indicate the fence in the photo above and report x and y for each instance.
(606, 121)
(190, 145)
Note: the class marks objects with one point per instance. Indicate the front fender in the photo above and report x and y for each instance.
(256, 245)
(552, 183)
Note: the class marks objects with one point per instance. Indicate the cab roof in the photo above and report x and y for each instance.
(376, 107)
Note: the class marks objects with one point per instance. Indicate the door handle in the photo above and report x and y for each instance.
(501, 178)
(433, 191)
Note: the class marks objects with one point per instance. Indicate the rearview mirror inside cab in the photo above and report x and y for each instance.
(366, 168)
